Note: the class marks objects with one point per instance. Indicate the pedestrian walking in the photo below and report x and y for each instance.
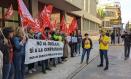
(127, 44)
(104, 46)
(87, 46)
(112, 38)
(118, 37)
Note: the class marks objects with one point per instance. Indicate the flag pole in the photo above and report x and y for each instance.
(1, 29)
(13, 20)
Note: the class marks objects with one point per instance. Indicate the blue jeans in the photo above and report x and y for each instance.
(8, 71)
(103, 53)
(79, 47)
(19, 66)
(83, 55)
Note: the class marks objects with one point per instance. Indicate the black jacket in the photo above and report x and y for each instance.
(127, 39)
(83, 42)
(5, 50)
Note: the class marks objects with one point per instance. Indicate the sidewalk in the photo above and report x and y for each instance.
(118, 68)
(62, 71)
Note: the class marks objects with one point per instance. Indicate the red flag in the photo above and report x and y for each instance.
(73, 25)
(68, 30)
(49, 9)
(26, 18)
(37, 27)
(63, 25)
(53, 25)
(45, 16)
(9, 12)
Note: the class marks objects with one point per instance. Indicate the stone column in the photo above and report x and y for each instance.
(34, 8)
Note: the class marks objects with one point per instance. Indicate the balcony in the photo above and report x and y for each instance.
(66, 5)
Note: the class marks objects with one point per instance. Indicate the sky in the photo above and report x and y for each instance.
(125, 8)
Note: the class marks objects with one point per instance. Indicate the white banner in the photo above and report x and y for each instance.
(37, 50)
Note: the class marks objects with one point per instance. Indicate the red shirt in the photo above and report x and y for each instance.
(45, 37)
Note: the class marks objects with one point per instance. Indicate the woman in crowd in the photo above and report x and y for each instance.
(7, 53)
(31, 67)
(73, 44)
(65, 49)
(87, 46)
(46, 36)
(53, 34)
(57, 37)
(19, 42)
(79, 41)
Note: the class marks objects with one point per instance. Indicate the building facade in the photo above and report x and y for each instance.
(83, 10)
(89, 21)
(128, 26)
(112, 15)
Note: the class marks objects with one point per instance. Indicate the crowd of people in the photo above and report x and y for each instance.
(104, 42)
(12, 47)
(87, 46)
(13, 43)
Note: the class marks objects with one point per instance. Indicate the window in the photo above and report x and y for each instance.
(12, 24)
(92, 25)
(109, 14)
(14, 16)
(86, 26)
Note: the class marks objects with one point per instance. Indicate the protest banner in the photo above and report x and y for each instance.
(38, 50)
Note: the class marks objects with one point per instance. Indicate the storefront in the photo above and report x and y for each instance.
(35, 7)
(69, 18)
(14, 20)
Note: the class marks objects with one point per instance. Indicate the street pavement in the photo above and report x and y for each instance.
(118, 69)
(68, 68)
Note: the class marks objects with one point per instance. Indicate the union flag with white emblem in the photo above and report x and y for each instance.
(9, 12)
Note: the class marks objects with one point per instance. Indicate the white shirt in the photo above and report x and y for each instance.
(68, 38)
(74, 39)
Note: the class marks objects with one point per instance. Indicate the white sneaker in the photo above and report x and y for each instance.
(34, 70)
(30, 72)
